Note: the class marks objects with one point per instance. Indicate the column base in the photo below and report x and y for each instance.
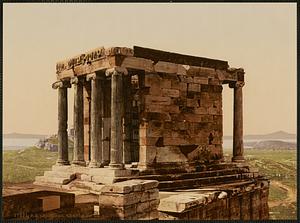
(105, 163)
(238, 159)
(116, 165)
(94, 164)
(62, 163)
(78, 163)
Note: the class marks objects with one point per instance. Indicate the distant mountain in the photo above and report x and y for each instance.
(23, 136)
(274, 135)
(271, 144)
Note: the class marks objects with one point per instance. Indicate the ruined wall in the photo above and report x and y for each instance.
(180, 118)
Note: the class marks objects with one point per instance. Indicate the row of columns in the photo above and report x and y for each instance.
(118, 123)
(97, 97)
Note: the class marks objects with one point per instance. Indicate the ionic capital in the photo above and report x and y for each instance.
(116, 71)
(76, 80)
(237, 84)
(94, 76)
(61, 84)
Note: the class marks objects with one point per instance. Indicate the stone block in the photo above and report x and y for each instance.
(152, 79)
(148, 184)
(165, 83)
(201, 111)
(175, 84)
(119, 199)
(166, 67)
(181, 202)
(124, 187)
(142, 207)
(157, 100)
(201, 80)
(50, 202)
(162, 108)
(170, 153)
(186, 79)
(170, 93)
(194, 87)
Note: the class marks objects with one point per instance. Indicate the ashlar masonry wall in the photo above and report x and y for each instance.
(180, 118)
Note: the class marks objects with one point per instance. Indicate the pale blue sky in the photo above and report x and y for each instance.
(261, 38)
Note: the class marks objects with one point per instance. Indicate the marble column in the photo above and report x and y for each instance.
(116, 155)
(62, 134)
(96, 119)
(78, 155)
(238, 146)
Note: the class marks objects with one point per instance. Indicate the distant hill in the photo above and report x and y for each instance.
(274, 135)
(23, 136)
(271, 144)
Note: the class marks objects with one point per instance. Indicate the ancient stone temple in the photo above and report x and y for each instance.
(147, 115)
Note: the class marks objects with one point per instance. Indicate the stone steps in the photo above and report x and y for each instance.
(60, 174)
(54, 180)
(204, 181)
(193, 175)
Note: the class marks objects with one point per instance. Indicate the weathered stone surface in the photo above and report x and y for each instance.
(157, 100)
(180, 203)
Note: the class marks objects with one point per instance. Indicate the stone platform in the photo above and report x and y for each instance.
(245, 200)
(92, 179)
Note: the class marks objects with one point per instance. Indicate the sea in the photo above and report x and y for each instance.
(18, 143)
(22, 143)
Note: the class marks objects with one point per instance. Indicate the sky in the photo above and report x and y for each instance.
(261, 38)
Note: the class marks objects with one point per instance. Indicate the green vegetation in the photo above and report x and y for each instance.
(24, 165)
(280, 166)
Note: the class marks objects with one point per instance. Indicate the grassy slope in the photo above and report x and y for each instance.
(24, 165)
(277, 166)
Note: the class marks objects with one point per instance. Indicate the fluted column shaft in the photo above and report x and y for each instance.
(96, 120)
(78, 156)
(62, 134)
(238, 146)
(116, 158)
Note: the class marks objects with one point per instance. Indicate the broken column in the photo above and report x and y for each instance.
(116, 152)
(238, 147)
(96, 120)
(78, 157)
(62, 122)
